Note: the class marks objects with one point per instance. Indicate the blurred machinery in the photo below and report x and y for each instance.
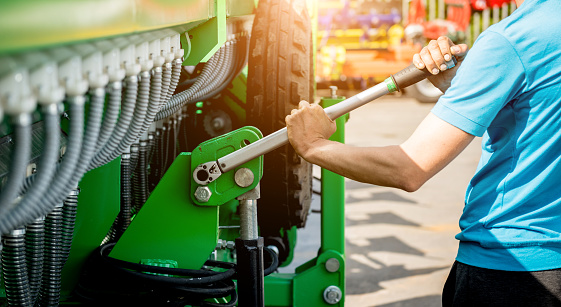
(106, 110)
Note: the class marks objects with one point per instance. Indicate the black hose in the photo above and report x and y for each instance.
(69, 209)
(274, 262)
(49, 293)
(14, 270)
(34, 245)
(18, 163)
(125, 214)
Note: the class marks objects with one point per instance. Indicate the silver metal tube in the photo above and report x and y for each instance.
(248, 220)
(280, 137)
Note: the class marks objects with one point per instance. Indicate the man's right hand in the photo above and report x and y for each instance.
(433, 57)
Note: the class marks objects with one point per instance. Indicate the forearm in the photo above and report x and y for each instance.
(385, 166)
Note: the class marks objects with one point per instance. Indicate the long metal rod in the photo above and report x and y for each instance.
(280, 137)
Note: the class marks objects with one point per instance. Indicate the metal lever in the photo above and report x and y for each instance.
(403, 78)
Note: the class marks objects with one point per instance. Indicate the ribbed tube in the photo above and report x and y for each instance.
(134, 155)
(14, 269)
(111, 114)
(139, 116)
(177, 65)
(155, 98)
(34, 245)
(166, 81)
(22, 215)
(155, 165)
(69, 209)
(209, 71)
(142, 172)
(89, 143)
(49, 293)
(18, 162)
(124, 216)
(104, 155)
(47, 166)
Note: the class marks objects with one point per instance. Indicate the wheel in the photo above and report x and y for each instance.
(279, 77)
(424, 92)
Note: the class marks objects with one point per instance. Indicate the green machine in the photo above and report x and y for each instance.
(144, 159)
(112, 117)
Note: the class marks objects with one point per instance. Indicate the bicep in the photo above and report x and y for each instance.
(434, 144)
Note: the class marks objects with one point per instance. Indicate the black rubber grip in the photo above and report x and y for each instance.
(411, 75)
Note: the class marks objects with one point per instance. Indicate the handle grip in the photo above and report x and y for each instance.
(411, 74)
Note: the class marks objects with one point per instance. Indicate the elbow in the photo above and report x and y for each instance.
(411, 182)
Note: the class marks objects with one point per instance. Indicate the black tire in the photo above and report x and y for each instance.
(279, 77)
(424, 92)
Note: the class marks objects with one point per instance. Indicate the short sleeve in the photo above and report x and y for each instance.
(490, 76)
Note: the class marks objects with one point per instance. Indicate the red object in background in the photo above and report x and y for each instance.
(457, 18)
(483, 4)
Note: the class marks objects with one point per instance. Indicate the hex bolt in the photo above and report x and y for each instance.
(244, 177)
(332, 295)
(202, 194)
(332, 265)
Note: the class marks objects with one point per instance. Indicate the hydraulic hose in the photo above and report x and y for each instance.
(166, 81)
(104, 155)
(209, 72)
(49, 293)
(111, 114)
(18, 165)
(89, 141)
(139, 116)
(47, 166)
(177, 65)
(14, 269)
(22, 215)
(235, 72)
(155, 98)
(69, 209)
(34, 255)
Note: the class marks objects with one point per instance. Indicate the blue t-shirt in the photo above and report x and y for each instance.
(508, 90)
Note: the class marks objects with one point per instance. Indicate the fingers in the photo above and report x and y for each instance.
(303, 104)
(434, 56)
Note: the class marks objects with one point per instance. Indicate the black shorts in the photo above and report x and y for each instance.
(472, 286)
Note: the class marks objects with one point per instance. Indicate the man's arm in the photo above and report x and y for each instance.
(433, 145)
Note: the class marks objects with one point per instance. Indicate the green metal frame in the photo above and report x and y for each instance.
(305, 287)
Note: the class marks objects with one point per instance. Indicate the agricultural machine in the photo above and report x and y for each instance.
(112, 117)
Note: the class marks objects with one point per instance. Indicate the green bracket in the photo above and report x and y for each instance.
(307, 285)
(169, 226)
(224, 188)
(208, 37)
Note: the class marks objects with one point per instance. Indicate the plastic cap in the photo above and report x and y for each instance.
(16, 96)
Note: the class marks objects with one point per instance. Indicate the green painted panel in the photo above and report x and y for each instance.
(209, 36)
(98, 205)
(37, 23)
(169, 226)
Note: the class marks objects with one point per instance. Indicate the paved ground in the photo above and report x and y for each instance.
(400, 245)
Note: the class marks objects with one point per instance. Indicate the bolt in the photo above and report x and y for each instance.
(332, 295)
(244, 177)
(202, 194)
(218, 123)
(332, 265)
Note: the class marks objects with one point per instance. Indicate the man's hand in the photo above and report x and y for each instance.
(433, 57)
(308, 127)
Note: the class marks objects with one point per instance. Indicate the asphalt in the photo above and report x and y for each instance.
(399, 245)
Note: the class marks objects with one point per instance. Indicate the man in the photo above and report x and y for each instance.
(508, 90)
